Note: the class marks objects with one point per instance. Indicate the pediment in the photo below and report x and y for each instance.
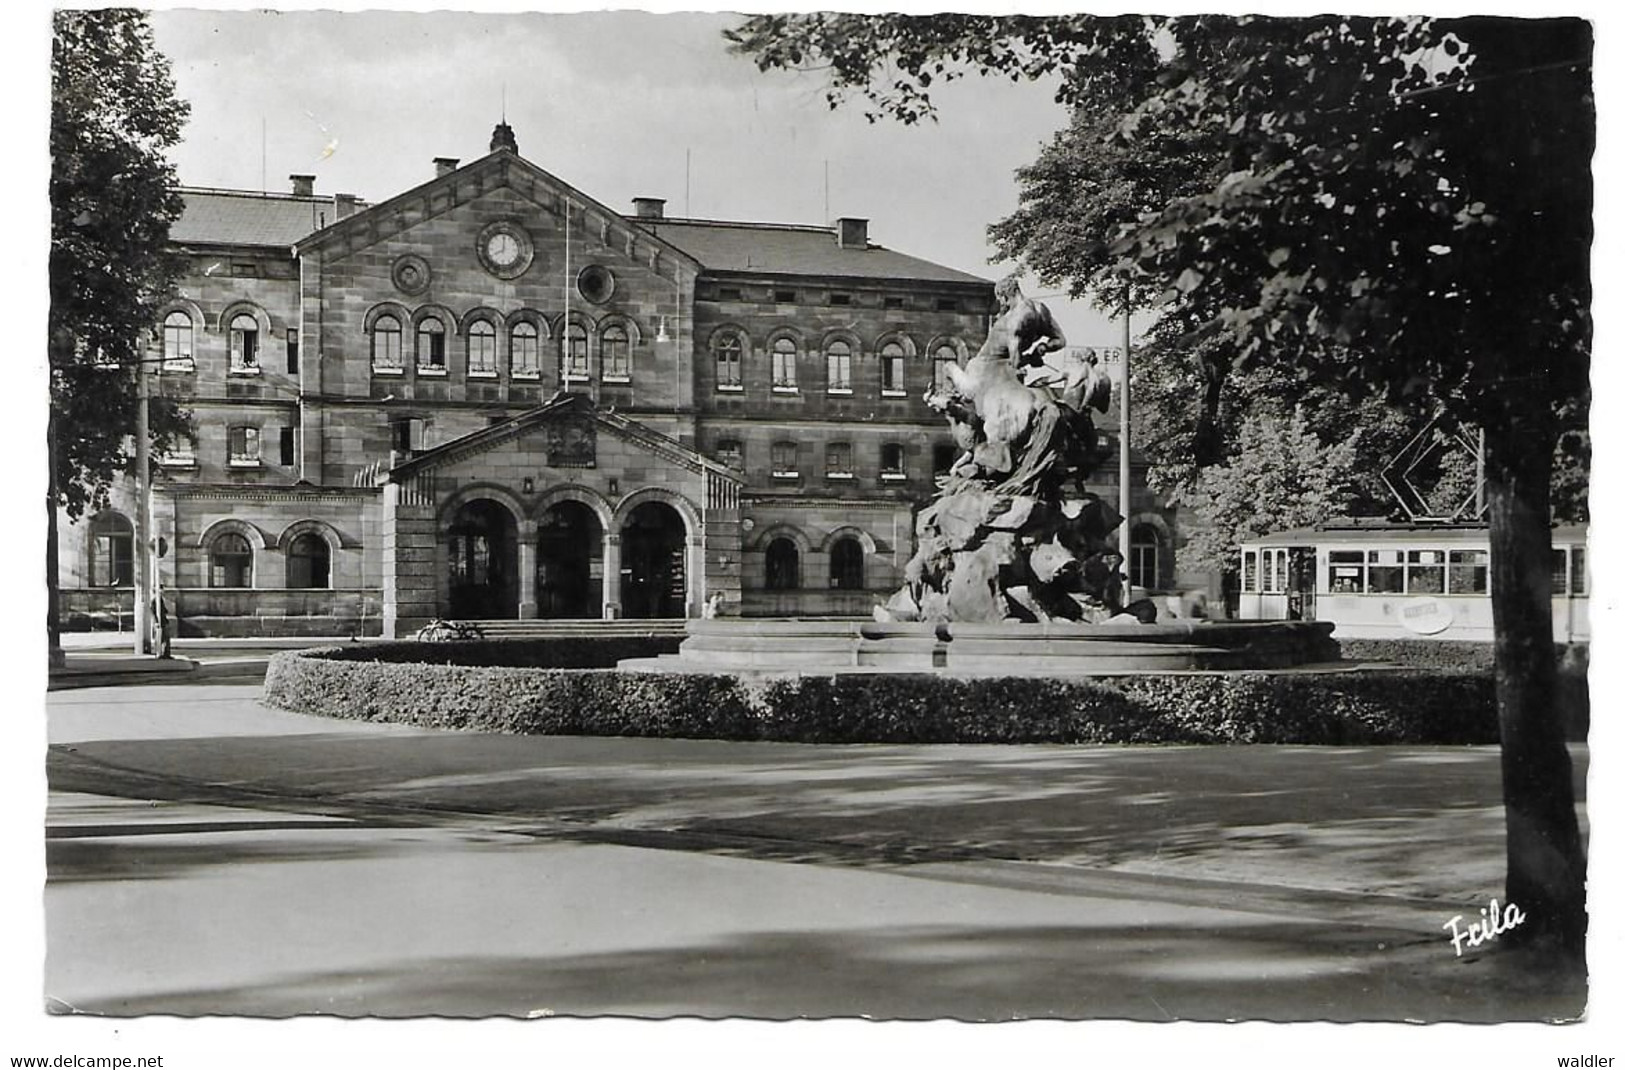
(500, 170)
(566, 432)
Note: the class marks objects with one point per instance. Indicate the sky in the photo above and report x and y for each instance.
(618, 104)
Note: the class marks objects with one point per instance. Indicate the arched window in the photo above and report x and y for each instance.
(1144, 551)
(891, 368)
(784, 364)
(783, 565)
(431, 346)
(839, 359)
(112, 551)
(231, 561)
(482, 348)
(386, 344)
(574, 353)
(616, 353)
(243, 341)
(846, 565)
(727, 351)
(524, 352)
(308, 562)
(940, 360)
(178, 342)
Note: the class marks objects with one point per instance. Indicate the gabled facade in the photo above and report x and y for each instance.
(380, 390)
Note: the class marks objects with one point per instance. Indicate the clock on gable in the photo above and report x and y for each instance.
(505, 249)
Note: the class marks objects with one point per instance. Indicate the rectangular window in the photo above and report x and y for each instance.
(406, 435)
(1249, 571)
(243, 446)
(1346, 571)
(286, 443)
(947, 304)
(943, 456)
(1469, 572)
(293, 351)
(838, 460)
(1424, 571)
(245, 271)
(731, 452)
(784, 297)
(1560, 572)
(894, 303)
(730, 293)
(784, 365)
(1275, 569)
(114, 561)
(180, 455)
(729, 370)
(891, 371)
(840, 299)
(1385, 573)
(891, 461)
(1577, 556)
(784, 460)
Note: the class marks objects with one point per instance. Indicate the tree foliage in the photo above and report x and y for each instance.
(113, 115)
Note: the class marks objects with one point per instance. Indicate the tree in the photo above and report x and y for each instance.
(1403, 211)
(113, 115)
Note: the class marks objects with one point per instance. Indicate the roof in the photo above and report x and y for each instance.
(1376, 530)
(236, 217)
(784, 249)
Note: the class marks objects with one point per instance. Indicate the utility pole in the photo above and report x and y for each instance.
(143, 517)
(1123, 504)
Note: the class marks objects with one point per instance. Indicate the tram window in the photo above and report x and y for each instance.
(1469, 571)
(1347, 568)
(1385, 574)
(1424, 571)
(1249, 570)
(1578, 555)
(1560, 571)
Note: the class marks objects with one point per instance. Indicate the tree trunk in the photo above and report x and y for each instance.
(53, 602)
(1546, 865)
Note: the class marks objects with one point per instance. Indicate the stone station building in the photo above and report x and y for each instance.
(492, 397)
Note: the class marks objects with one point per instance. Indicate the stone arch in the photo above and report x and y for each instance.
(241, 308)
(961, 350)
(902, 338)
(402, 315)
(446, 515)
(479, 312)
(310, 526)
(745, 342)
(575, 492)
(685, 508)
(786, 331)
(544, 329)
(255, 537)
(634, 331)
(849, 531)
(200, 322)
(842, 334)
(578, 317)
(440, 312)
(766, 537)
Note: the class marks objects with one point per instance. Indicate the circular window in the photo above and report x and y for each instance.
(505, 250)
(411, 274)
(596, 283)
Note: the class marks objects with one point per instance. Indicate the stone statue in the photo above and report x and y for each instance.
(1013, 534)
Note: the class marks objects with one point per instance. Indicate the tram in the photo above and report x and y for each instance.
(1382, 579)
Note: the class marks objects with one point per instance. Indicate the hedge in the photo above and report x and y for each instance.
(398, 682)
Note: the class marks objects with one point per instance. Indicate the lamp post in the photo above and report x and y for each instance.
(143, 517)
(1123, 503)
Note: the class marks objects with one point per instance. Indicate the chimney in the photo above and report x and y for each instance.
(303, 185)
(650, 207)
(852, 233)
(343, 205)
(502, 138)
(444, 165)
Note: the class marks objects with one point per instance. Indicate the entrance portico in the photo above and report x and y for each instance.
(565, 512)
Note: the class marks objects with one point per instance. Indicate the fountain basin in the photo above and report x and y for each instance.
(834, 647)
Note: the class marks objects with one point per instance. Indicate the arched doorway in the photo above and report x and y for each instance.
(654, 576)
(483, 562)
(569, 562)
